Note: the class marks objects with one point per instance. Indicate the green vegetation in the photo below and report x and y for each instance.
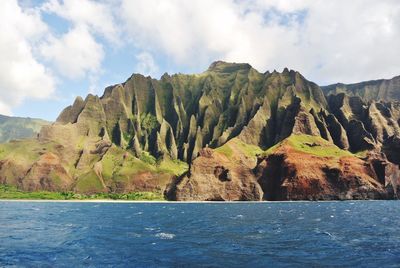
(316, 146)
(25, 151)
(120, 166)
(248, 149)
(132, 166)
(271, 150)
(225, 150)
(11, 192)
(89, 182)
(148, 121)
(173, 166)
(147, 158)
(311, 145)
(127, 136)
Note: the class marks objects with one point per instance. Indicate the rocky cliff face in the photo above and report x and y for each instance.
(309, 168)
(141, 134)
(224, 174)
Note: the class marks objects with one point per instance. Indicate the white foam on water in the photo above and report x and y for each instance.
(165, 235)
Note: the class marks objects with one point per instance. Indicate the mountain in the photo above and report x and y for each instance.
(12, 128)
(229, 133)
(377, 90)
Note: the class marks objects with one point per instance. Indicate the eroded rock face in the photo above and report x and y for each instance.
(291, 175)
(288, 173)
(391, 147)
(47, 174)
(215, 177)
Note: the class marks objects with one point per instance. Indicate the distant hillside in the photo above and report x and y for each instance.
(19, 127)
(382, 89)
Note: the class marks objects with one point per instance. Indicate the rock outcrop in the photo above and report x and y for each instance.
(302, 167)
(292, 174)
(215, 176)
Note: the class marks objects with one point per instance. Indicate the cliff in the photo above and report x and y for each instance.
(144, 133)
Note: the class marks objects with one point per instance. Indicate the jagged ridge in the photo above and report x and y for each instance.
(180, 114)
(133, 136)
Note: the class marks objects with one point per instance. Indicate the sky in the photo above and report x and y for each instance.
(52, 50)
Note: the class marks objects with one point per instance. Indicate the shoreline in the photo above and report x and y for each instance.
(178, 202)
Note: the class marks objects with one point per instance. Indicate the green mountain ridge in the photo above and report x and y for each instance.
(19, 127)
(377, 90)
(141, 135)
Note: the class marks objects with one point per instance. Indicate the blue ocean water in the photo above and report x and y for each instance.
(295, 234)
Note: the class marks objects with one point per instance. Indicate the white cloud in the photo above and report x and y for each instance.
(197, 32)
(21, 75)
(75, 54)
(79, 53)
(96, 16)
(355, 43)
(328, 41)
(146, 65)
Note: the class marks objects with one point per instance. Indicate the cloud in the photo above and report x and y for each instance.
(146, 65)
(79, 52)
(355, 43)
(95, 16)
(21, 75)
(327, 41)
(75, 54)
(198, 32)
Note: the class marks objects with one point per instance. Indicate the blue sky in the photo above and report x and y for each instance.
(54, 50)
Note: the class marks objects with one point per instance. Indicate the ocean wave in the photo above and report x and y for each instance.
(165, 235)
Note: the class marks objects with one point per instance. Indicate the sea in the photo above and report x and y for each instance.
(233, 234)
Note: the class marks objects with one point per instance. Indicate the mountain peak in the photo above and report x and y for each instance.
(222, 66)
